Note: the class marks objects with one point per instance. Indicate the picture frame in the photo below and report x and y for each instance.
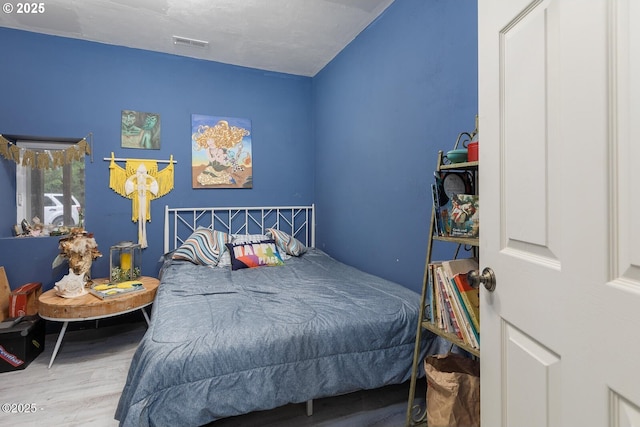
(221, 152)
(140, 130)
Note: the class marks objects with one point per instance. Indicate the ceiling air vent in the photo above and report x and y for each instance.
(185, 41)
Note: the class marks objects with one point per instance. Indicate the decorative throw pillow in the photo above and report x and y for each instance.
(203, 246)
(255, 254)
(248, 238)
(286, 242)
(225, 259)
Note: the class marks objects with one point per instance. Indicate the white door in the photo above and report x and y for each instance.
(559, 106)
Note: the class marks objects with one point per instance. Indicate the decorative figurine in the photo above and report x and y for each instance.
(80, 249)
(71, 285)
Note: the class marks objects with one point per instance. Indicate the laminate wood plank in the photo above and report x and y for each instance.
(83, 387)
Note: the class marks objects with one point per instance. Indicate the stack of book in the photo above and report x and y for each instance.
(111, 290)
(454, 306)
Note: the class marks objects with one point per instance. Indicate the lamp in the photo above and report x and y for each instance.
(125, 262)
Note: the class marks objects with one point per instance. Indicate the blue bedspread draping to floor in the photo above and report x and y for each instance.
(224, 343)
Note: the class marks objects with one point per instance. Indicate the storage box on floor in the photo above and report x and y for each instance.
(22, 343)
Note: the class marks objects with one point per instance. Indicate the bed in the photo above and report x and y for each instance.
(225, 341)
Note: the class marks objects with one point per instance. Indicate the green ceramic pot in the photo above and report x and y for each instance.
(458, 155)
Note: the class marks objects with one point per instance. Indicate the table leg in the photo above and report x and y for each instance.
(146, 316)
(57, 347)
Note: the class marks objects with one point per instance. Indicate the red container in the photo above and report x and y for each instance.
(24, 300)
(472, 155)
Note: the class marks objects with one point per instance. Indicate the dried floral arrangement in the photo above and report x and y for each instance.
(80, 249)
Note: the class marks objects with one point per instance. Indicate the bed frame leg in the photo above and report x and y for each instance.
(309, 407)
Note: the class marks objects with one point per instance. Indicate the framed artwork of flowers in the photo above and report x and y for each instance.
(221, 152)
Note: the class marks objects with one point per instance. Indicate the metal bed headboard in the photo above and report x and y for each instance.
(298, 221)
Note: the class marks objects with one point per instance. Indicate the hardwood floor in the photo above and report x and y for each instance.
(83, 386)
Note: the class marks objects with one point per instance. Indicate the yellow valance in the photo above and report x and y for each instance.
(46, 159)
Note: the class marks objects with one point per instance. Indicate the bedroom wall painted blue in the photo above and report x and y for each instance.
(360, 139)
(62, 87)
(401, 91)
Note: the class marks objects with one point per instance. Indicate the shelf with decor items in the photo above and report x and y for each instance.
(450, 224)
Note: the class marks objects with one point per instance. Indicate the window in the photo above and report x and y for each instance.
(52, 195)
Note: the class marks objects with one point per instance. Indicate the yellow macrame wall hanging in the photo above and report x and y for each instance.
(141, 181)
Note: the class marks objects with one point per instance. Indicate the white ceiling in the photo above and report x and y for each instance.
(290, 36)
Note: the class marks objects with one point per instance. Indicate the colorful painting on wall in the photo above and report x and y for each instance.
(140, 130)
(221, 152)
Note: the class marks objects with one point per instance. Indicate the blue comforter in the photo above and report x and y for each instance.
(224, 343)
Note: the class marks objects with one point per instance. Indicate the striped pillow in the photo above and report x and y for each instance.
(203, 247)
(286, 242)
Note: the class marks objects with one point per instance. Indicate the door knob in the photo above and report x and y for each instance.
(487, 278)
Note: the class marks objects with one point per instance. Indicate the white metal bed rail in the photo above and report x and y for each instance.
(298, 221)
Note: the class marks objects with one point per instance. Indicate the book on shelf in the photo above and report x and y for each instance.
(474, 334)
(429, 308)
(460, 267)
(468, 335)
(451, 322)
(442, 315)
(463, 217)
(112, 290)
(457, 270)
(439, 229)
(435, 299)
(456, 207)
(445, 220)
(470, 298)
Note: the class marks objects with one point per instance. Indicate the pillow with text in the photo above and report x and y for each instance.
(254, 254)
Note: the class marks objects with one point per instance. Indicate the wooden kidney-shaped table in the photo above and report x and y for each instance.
(90, 307)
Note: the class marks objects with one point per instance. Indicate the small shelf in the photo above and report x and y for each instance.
(415, 417)
(463, 165)
(450, 337)
(470, 241)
